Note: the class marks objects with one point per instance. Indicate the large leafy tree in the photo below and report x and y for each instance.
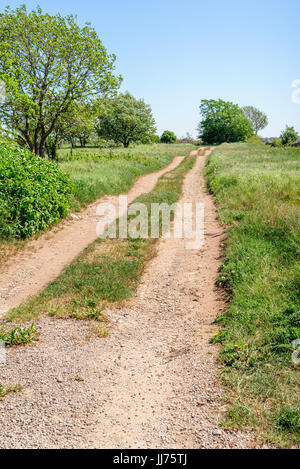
(47, 63)
(125, 119)
(258, 118)
(223, 121)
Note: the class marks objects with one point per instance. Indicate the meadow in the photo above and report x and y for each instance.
(99, 171)
(257, 193)
(92, 172)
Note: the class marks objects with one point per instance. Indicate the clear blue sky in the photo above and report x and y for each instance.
(173, 53)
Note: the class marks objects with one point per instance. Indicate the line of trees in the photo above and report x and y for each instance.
(61, 86)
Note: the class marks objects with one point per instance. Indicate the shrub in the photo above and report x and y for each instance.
(155, 139)
(289, 136)
(276, 142)
(168, 137)
(33, 192)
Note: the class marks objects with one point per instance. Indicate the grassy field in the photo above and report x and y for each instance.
(107, 271)
(257, 192)
(96, 172)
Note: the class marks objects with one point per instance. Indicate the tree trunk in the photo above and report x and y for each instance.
(42, 146)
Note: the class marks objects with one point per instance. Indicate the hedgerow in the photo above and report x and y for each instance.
(34, 193)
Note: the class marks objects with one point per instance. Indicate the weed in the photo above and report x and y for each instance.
(18, 335)
(6, 390)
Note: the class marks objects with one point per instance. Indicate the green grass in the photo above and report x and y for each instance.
(96, 172)
(257, 192)
(17, 335)
(107, 271)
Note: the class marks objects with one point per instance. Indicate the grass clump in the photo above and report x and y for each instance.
(257, 191)
(18, 335)
(6, 390)
(96, 172)
(106, 272)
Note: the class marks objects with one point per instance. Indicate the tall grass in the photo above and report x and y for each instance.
(257, 192)
(97, 172)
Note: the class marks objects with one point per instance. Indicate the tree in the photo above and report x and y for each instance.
(289, 136)
(258, 118)
(80, 123)
(168, 137)
(125, 119)
(47, 63)
(223, 122)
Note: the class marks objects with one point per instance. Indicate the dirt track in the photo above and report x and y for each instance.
(43, 259)
(152, 383)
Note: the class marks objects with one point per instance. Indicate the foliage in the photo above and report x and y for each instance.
(80, 123)
(276, 142)
(168, 137)
(96, 172)
(6, 390)
(223, 122)
(257, 191)
(258, 119)
(18, 335)
(289, 136)
(125, 119)
(155, 139)
(33, 192)
(47, 63)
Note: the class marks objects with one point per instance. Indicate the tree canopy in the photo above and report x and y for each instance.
(80, 124)
(258, 118)
(47, 63)
(168, 137)
(223, 121)
(125, 119)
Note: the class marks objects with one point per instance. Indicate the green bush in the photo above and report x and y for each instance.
(276, 142)
(168, 137)
(33, 192)
(289, 136)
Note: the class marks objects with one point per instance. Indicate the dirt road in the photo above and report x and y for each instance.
(43, 259)
(152, 383)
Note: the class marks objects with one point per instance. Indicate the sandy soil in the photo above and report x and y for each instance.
(152, 383)
(32, 268)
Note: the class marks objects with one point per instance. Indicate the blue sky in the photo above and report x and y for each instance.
(173, 53)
